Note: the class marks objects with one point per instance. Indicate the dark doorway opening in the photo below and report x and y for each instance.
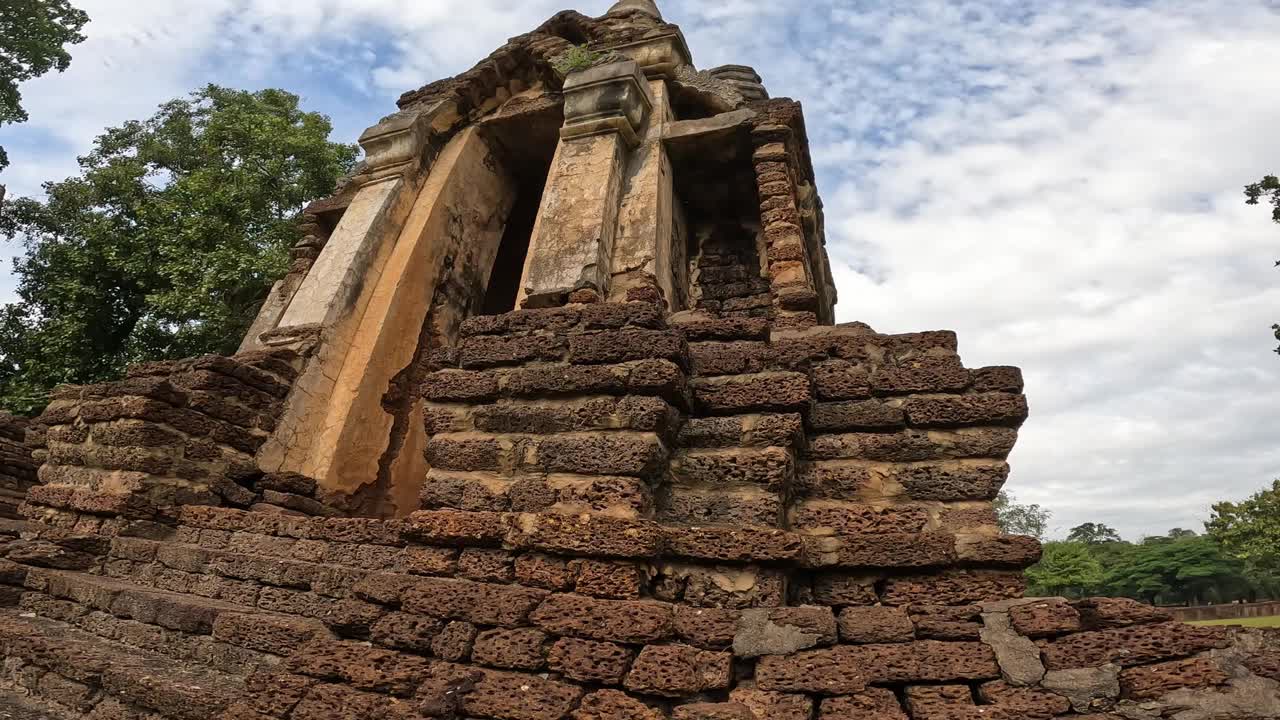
(716, 184)
(526, 144)
(504, 281)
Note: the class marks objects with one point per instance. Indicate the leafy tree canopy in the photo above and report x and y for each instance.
(1093, 534)
(1238, 559)
(1250, 531)
(33, 36)
(1267, 189)
(1066, 569)
(1018, 519)
(1186, 569)
(166, 243)
(1164, 569)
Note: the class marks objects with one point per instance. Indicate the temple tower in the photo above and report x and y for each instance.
(588, 162)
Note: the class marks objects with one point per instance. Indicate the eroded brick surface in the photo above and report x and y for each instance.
(604, 509)
(1132, 646)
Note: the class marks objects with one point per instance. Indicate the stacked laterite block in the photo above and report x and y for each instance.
(572, 409)
(531, 616)
(737, 511)
(709, 520)
(791, 219)
(17, 466)
(727, 280)
(123, 455)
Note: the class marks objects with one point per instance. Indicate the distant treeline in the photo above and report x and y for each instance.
(1236, 559)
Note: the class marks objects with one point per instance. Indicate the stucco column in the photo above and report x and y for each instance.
(644, 250)
(455, 226)
(572, 243)
(327, 309)
(332, 287)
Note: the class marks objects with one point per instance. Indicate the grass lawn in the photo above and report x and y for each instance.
(1273, 621)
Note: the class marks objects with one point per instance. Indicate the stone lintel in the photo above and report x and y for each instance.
(604, 99)
(659, 55)
(643, 250)
(457, 216)
(715, 127)
(572, 243)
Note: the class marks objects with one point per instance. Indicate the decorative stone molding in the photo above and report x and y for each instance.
(394, 145)
(644, 6)
(605, 99)
(397, 143)
(744, 78)
(660, 55)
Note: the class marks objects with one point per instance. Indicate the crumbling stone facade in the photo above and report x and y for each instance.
(550, 421)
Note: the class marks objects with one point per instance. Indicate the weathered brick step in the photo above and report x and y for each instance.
(538, 492)
(631, 412)
(68, 665)
(226, 565)
(737, 431)
(12, 527)
(231, 637)
(9, 502)
(770, 468)
(14, 706)
(617, 452)
(335, 568)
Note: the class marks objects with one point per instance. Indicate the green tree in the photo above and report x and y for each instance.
(33, 36)
(1177, 570)
(1267, 188)
(1250, 532)
(1067, 569)
(1017, 519)
(166, 243)
(1093, 534)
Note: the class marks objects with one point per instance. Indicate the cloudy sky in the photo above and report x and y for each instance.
(1057, 180)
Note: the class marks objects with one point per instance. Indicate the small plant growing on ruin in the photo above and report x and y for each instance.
(576, 58)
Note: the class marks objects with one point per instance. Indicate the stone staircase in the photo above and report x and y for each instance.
(79, 643)
(157, 629)
(75, 671)
(622, 520)
(18, 707)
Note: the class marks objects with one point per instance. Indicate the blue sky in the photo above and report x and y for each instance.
(1059, 181)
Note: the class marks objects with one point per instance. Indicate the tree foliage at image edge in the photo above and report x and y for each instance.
(166, 243)
(1268, 188)
(33, 34)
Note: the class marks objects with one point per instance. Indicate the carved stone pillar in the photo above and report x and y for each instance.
(333, 286)
(355, 309)
(644, 251)
(570, 253)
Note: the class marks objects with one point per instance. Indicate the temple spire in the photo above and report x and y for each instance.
(645, 6)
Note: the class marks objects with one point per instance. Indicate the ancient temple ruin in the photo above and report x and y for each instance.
(550, 420)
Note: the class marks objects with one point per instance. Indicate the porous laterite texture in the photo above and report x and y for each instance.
(673, 491)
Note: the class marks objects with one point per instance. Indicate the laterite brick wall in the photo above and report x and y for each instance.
(17, 466)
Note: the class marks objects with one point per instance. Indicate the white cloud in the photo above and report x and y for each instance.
(354, 56)
(1067, 195)
(1059, 181)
